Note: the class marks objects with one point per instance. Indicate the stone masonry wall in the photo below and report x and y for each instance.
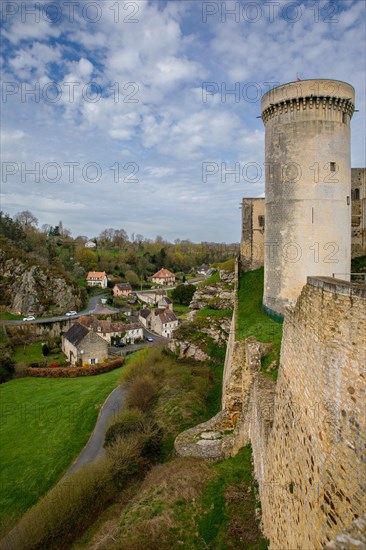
(312, 482)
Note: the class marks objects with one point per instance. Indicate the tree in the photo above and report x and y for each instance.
(132, 278)
(45, 350)
(120, 238)
(7, 367)
(184, 294)
(26, 219)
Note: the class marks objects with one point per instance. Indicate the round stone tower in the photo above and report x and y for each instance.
(308, 186)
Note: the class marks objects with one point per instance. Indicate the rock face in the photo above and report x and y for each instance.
(187, 350)
(216, 296)
(194, 338)
(31, 290)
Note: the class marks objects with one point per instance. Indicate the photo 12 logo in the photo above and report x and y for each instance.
(252, 12)
(54, 12)
(69, 92)
(68, 172)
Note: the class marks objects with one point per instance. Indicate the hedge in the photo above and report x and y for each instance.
(74, 372)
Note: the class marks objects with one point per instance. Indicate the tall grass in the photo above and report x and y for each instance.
(253, 321)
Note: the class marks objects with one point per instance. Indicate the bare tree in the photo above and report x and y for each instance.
(26, 219)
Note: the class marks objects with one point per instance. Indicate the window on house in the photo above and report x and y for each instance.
(332, 166)
(92, 361)
(261, 221)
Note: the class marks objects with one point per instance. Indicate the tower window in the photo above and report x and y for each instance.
(332, 166)
(344, 118)
(261, 221)
(355, 194)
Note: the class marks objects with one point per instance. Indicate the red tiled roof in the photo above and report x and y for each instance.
(162, 274)
(96, 275)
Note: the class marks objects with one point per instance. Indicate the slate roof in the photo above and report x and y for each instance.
(166, 315)
(76, 334)
(144, 313)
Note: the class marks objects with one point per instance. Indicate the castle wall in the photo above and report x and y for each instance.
(311, 465)
(252, 235)
(358, 183)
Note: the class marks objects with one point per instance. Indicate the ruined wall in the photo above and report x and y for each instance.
(252, 233)
(312, 478)
(358, 183)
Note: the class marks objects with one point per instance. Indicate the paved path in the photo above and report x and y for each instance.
(94, 448)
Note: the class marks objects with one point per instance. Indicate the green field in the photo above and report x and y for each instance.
(44, 425)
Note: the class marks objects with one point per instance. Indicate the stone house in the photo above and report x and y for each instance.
(163, 277)
(113, 331)
(145, 317)
(163, 322)
(164, 302)
(122, 289)
(97, 278)
(81, 345)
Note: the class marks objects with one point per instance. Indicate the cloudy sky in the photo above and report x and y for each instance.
(119, 113)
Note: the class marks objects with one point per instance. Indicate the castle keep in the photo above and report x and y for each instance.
(307, 186)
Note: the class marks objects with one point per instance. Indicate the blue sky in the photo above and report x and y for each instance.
(108, 103)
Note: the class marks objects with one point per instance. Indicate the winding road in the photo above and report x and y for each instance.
(94, 448)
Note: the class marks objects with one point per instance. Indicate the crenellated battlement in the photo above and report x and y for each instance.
(308, 103)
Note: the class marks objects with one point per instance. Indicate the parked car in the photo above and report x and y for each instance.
(29, 318)
(120, 345)
(149, 339)
(71, 313)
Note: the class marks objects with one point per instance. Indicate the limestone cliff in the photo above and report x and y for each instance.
(34, 290)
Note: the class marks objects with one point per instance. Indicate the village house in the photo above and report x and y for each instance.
(163, 277)
(158, 298)
(165, 303)
(163, 322)
(90, 244)
(113, 332)
(144, 317)
(97, 278)
(84, 347)
(122, 289)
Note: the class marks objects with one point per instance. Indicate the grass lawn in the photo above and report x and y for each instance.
(32, 353)
(252, 321)
(5, 316)
(45, 423)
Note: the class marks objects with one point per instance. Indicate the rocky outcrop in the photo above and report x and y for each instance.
(197, 337)
(34, 290)
(187, 350)
(218, 295)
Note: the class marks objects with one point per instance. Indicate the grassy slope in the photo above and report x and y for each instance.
(45, 423)
(252, 321)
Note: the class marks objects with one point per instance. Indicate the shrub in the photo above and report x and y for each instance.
(74, 372)
(141, 393)
(7, 365)
(133, 422)
(128, 422)
(63, 514)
